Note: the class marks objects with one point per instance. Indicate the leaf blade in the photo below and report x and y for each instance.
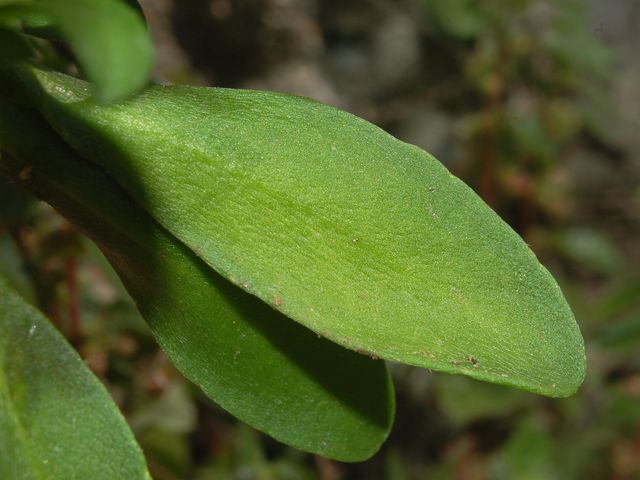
(337, 224)
(57, 421)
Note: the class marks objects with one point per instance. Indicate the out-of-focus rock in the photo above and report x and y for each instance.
(396, 52)
(302, 78)
(432, 130)
(171, 61)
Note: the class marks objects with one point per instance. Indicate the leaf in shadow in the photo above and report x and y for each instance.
(262, 367)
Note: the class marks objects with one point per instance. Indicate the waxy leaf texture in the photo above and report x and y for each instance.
(363, 239)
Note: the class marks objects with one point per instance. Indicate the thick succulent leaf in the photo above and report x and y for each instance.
(109, 39)
(364, 239)
(259, 365)
(57, 421)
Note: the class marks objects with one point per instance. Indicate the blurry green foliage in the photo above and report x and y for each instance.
(465, 402)
(535, 79)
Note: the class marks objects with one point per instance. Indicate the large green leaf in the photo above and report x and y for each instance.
(57, 422)
(364, 239)
(256, 363)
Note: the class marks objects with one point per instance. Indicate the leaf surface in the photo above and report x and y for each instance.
(259, 365)
(364, 239)
(57, 421)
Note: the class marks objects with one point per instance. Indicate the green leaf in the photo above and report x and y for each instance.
(267, 370)
(57, 421)
(26, 16)
(110, 41)
(13, 46)
(364, 239)
(108, 37)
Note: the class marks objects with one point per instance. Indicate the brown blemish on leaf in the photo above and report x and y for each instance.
(276, 301)
(367, 353)
(473, 360)
(422, 353)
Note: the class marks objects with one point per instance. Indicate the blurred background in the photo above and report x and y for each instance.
(535, 104)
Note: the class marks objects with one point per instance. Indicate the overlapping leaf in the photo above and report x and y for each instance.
(110, 40)
(108, 37)
(366, 240)
(265, 369)
(56, 420)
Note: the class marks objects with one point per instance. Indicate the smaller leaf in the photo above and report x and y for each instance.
(110, 41)
(56, 420)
